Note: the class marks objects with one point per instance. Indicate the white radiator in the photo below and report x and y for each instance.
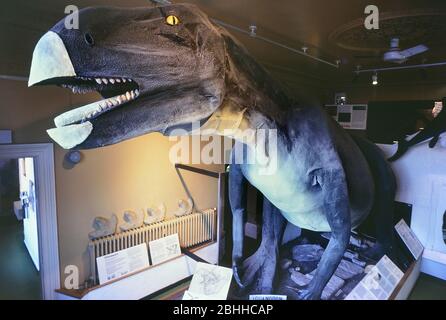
(192, 230)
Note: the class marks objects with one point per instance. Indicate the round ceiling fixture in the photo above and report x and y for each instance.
(411, 28)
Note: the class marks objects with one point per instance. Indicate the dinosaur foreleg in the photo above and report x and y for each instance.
(237, 200)
(337, 210)
(260, 268)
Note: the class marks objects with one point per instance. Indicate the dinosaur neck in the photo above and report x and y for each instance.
(250, 86)
(253, 100)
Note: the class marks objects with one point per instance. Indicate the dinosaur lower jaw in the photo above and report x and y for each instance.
(74, 127)
(116, 92)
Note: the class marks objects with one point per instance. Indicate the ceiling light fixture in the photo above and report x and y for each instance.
(375, 79)
(252, 30)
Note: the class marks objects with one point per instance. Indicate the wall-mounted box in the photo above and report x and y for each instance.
(349, 116)
(5, 136)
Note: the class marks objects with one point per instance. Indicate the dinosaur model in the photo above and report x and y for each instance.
(433, 131)
(163, 68)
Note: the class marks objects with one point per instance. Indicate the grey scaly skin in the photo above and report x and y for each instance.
(158, 74)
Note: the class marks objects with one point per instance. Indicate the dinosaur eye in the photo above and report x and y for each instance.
(172, 20)
(89, 39)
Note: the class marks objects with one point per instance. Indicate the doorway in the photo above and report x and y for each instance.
(19, 255)
(29, 263)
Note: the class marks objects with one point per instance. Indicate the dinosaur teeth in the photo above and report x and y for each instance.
(91, 111)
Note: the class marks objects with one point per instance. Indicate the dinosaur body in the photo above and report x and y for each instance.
(295, 188)
(164, 68)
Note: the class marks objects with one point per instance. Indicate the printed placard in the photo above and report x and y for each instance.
(120, 263)
(266, 297)
(165, 248)
(410, 239)
(379, 283)
(209, 282)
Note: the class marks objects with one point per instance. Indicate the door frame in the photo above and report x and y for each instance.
(43, 155)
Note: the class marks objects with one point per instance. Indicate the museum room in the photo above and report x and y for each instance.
(223, 150)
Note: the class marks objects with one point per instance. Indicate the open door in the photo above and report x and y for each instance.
(29, 203)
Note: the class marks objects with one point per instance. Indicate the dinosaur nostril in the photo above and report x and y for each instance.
(89, 39)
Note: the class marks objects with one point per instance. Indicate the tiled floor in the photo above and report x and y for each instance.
(19, 279)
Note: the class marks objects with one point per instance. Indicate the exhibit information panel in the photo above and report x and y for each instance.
(121, 263)
(165, 248)
(379, 283)
(410, 239)
(209, 282)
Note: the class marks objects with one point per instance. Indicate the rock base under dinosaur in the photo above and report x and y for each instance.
(299, 261)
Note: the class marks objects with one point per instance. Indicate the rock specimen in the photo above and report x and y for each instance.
(155, 215)
(307, 252)
(184, 207)
(103, 227)
(285, 264)
(347, 270)
(333, 286)
(132, 220)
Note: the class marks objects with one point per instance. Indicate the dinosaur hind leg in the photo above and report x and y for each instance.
(381, 216)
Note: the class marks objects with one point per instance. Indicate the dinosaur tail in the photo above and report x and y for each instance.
(403, 146)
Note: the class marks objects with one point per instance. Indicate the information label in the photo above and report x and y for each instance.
(209, 282)
(379, 283)
(266, 297)
(115, 265)
(410, 239)
(165, 248)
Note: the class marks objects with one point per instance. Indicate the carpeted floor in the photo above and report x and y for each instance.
(19, 279)
(428, 288)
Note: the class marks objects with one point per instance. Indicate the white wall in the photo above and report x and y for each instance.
(421, 178)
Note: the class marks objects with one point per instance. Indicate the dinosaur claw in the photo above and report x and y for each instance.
(237, 277)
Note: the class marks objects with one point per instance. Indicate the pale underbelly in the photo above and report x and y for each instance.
(314, 220)
(305, 210)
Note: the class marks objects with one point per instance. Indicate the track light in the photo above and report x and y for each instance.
(375, 79)
(253, 30)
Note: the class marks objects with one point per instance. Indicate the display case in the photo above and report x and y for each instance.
(200, 236)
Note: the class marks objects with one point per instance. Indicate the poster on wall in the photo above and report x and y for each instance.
(120, 263)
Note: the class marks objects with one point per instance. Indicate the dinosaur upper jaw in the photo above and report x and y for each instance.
(51, 65)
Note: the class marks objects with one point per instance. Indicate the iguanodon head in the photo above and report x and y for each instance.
(157, 69)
